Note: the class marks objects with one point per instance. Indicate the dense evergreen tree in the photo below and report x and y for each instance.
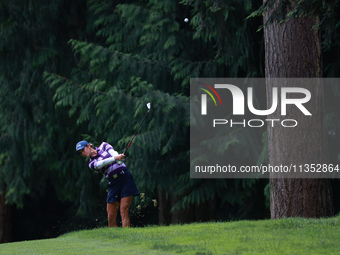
(144, 51)
(74, 70)
(33, 134)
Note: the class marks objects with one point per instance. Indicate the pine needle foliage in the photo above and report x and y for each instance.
(325, 12)
(32, 42)
(72, 70)
(143, 51)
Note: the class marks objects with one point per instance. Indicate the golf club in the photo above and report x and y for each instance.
(148, 105)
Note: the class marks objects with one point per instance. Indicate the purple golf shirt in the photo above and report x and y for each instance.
(103, 153)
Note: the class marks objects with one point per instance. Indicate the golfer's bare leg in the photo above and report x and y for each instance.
(112, 209)
(125, 203)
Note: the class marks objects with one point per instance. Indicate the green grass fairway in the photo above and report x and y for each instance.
(285, 236)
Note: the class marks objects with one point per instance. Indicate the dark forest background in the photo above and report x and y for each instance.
(74, 70)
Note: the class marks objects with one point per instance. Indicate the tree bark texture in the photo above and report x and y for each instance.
(293, 50)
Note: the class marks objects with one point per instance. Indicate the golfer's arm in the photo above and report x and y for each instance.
(104, 162)
(107, 161)
(113, 153)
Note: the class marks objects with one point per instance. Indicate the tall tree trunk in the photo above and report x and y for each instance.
(293, 50)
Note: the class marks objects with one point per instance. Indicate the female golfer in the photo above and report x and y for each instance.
(121, 185)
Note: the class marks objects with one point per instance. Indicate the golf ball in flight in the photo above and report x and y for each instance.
(186, 20)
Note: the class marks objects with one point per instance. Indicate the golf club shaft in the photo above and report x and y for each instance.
(136, 132)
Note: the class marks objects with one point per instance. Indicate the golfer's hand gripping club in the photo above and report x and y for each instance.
(120, 159)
